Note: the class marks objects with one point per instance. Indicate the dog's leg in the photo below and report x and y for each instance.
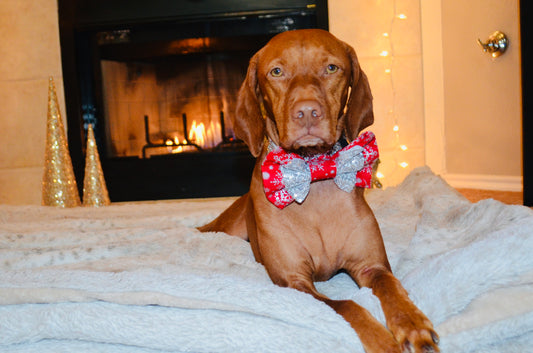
(411, 328)
(373, 335)
(233, 220)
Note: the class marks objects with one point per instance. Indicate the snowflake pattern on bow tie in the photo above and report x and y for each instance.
(287, 176)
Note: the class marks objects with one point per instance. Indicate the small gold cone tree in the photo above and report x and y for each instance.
(94, 187)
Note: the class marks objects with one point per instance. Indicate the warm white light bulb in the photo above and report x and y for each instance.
(384, 53)
(401, 16)
(404, 164)
(403, 147)
(395, 128)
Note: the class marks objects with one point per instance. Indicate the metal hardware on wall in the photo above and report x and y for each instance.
(496, 44)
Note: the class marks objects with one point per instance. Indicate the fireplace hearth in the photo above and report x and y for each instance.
(158, 81)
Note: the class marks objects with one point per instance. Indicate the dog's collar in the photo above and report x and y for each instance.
(287, 176)
(340, 144)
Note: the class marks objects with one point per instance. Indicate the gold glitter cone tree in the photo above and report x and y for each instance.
(94, 188)
(59, 183)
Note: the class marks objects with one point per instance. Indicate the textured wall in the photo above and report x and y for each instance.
(395, 79)
(29, 54)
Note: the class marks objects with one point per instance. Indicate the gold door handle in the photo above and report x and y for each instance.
(496, 44)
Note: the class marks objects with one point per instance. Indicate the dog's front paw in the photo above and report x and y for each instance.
(415, 333)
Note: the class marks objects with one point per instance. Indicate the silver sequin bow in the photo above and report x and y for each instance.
(296, 178)
(297, 173)
(348, 164)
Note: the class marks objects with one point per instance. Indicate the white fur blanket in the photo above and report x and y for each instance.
(138, 277)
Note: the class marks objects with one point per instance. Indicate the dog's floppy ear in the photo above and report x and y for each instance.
(359, 113)
(248, 122)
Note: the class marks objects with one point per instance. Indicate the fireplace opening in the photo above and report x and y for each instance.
(159, 83)
(174, 102)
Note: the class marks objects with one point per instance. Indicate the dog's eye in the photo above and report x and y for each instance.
(276, 72)
(331, 69)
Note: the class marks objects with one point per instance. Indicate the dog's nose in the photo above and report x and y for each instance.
(307, 111)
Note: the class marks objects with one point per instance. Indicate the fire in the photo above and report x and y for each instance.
(178, 149)
(199, 134)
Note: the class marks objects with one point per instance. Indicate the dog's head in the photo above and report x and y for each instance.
(303, 90)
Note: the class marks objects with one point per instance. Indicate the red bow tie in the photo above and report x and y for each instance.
(287, 176)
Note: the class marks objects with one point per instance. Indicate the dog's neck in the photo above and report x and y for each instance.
(340, 144)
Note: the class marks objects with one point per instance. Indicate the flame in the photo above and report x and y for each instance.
(173, 142)
(198, 134)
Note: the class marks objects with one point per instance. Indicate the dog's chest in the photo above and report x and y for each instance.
(323, 226)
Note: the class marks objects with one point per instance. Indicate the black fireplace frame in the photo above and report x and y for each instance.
(213, 174)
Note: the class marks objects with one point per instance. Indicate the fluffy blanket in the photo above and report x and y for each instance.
(137, 277)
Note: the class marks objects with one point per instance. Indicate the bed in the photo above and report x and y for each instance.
(138, 277)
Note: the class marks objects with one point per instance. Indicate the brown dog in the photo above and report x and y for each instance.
(303, 92)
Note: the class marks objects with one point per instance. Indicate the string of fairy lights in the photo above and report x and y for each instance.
(389, 53)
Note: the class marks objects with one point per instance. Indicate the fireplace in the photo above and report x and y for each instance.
(171, 105)
(158, 80)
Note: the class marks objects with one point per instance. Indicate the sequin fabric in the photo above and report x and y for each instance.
(287, 177)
